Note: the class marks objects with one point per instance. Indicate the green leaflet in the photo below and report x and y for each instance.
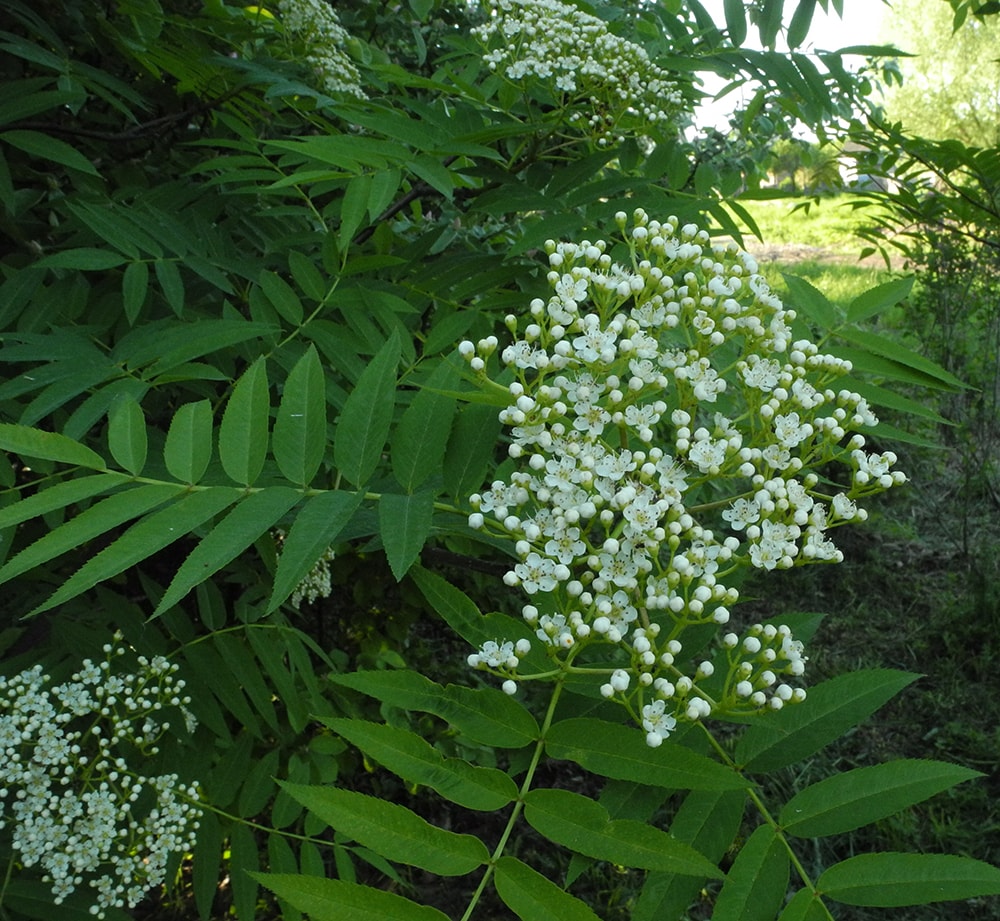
(34, 443)
(107, 224)
(805, 906)
(757, 881)
(127, 435)
(164, 346)
(59, 496)
(407, 755)
(367, 415)
(533, 897)
(337, 900)
(154, 532)
(736, 23)
(465, 618)
(419, 442)
(315, 528)
(460, 612)
(847, 801)
(384, 185)
(258, 785)
(229, 773)
(621, 752)
(171, 284)
(309, 279)
(404, 525)
(831, 708)
(806, 297)
(270, 655)
(243, 432)
(207, 862)
(352, 210)
(244, 861)
(299, 437)
(392, 831)
(898, 354)
(247, 671)
(282, 296)
(96, 520)
(230, 537)
(212, 680)
(880, 396)
(485, 715)
(583, 825)
(49, 148)
(135, 287)
(188, 448)
(709, 821)
(802, 19)
(878, 298)
(889, 880)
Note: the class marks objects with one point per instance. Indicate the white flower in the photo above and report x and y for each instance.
(657, 723)
(741, 513)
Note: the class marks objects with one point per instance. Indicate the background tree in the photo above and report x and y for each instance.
(951, 80)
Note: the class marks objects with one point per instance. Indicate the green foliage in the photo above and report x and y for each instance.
(947, 87)
(229, 304)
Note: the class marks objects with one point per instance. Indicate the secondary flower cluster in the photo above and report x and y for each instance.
(317, 582)
(315, 24)
(76, 808)
(578, 60)
(667, 426)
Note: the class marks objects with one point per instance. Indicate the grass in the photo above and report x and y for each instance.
(819, 243)
(831, 224)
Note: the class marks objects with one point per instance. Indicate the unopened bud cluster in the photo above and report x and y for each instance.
(609, 81)
(668, 426)
(77, 808)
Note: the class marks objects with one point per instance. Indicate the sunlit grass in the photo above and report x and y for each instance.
(840, 282)
(832, 224)
(819, 243)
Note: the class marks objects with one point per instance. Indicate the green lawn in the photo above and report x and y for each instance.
(819, 243)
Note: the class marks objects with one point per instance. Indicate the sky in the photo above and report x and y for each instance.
(861, 25)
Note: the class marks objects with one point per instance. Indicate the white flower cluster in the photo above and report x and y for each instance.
(316, 584)
(316, 25)
(76, 808)
(581, 63)
(669, 425)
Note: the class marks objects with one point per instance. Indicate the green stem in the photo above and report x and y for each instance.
(765, 814)
(518, 805)
(6, 882)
